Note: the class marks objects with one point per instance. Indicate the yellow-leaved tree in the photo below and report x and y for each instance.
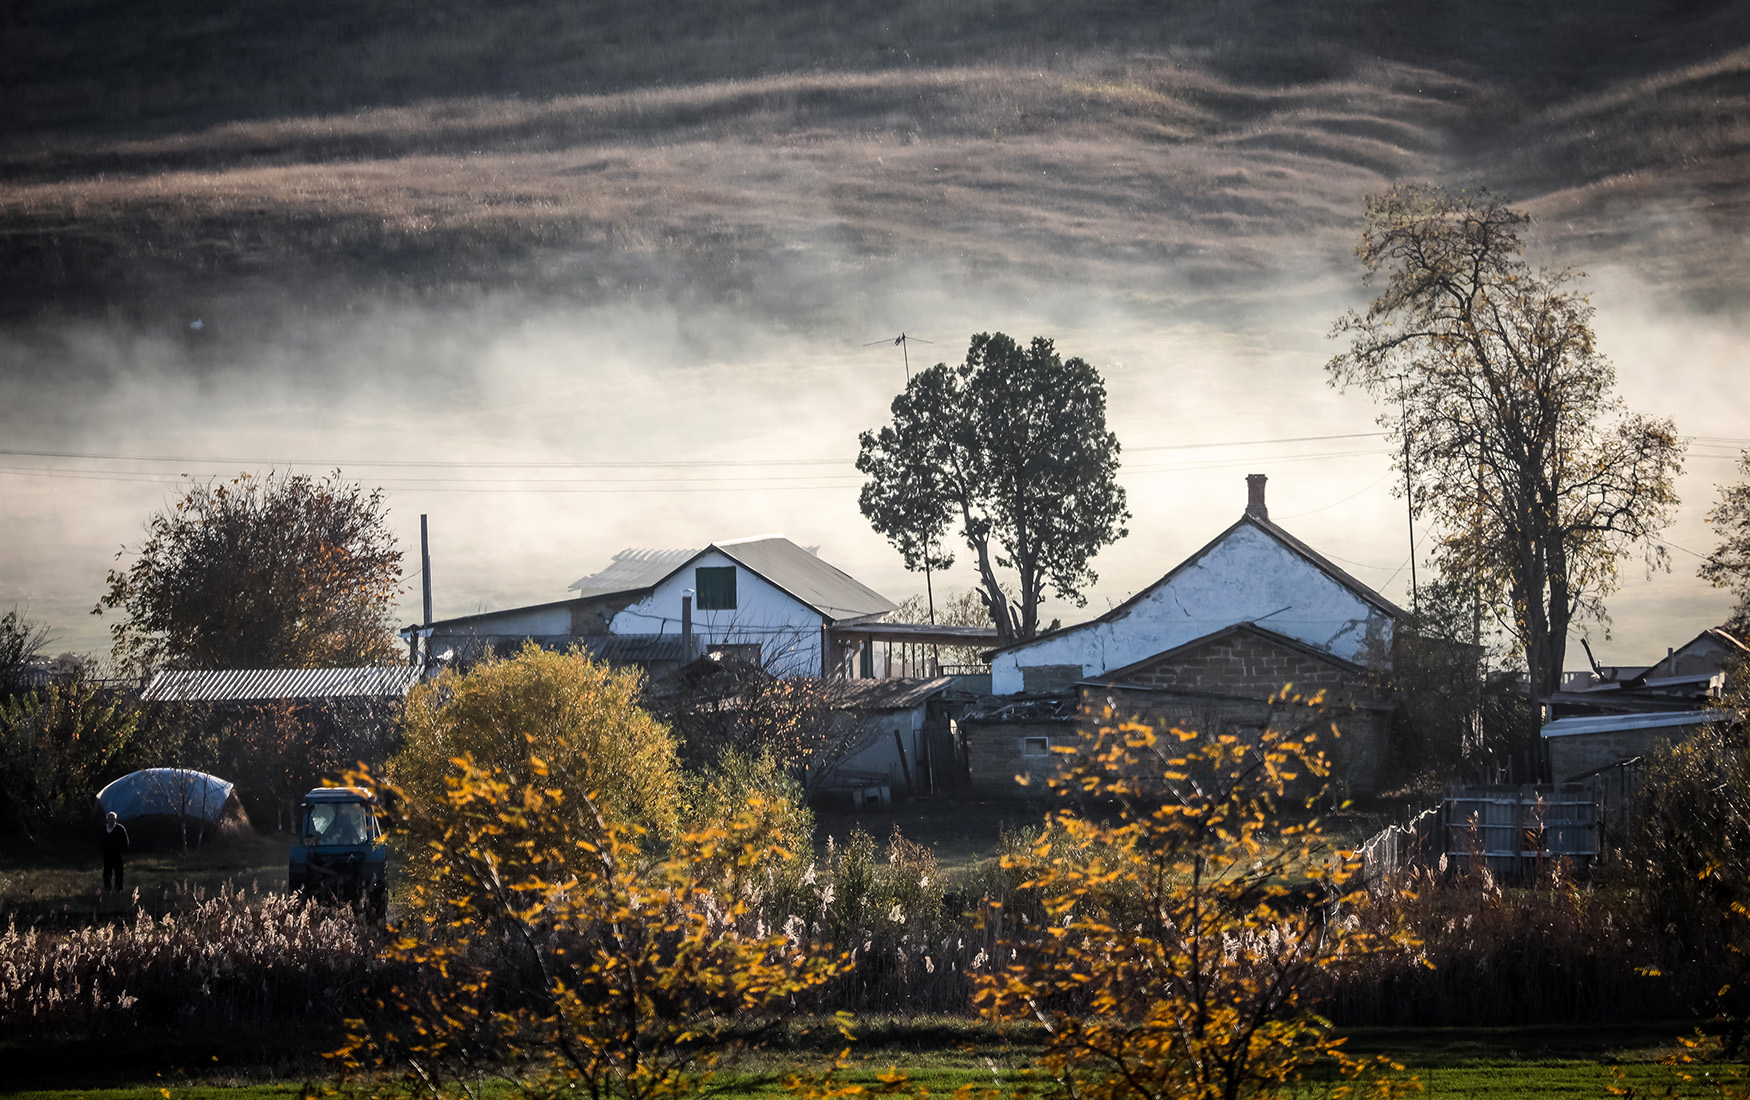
(560, 925)
(580, 719)
(550, 948)
(1186, 912)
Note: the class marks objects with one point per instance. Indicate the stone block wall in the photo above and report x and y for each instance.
(1000, 751)
(1579, 753)
(1244, 663)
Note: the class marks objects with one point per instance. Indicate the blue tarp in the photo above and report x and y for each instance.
(172, 792)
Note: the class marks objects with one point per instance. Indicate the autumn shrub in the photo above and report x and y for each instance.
(58, 746)
(552, 943)
(760, 786)
(1186, 921)
(575, 719)
(235, 958)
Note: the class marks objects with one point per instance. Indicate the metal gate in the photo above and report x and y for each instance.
(1516, 832)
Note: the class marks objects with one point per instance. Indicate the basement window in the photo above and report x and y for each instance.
(1035, 746)
(715, 585)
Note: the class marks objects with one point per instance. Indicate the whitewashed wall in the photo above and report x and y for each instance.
(787, 630)
(1247, 577)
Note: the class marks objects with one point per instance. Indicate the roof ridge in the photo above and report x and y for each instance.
(1313, 557)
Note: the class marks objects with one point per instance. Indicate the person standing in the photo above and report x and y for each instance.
(114, 844)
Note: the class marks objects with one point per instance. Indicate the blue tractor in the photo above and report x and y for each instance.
(340, 855)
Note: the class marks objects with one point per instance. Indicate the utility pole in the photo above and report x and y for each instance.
(1409, 486)
(905, 341)
(425, 568)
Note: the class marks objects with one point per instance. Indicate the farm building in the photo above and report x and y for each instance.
(1207, 646)
(762, 599)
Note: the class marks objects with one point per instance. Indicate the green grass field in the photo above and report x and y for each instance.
(1473, 1064)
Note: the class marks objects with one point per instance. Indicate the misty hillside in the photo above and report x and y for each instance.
(156, 150)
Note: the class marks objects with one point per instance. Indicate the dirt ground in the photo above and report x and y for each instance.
(61, 885)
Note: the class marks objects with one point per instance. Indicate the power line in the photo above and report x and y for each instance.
(549, 464)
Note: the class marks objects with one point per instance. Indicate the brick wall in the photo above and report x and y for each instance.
(998, 753)
(1246, 664)
(1355, 752)
(1578, 753)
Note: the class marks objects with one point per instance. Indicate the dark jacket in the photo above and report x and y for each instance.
(113, 842)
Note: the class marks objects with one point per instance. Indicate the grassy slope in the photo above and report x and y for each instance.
(743, 149)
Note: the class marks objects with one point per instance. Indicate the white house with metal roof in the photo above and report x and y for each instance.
(1254, 572)
(762, 598)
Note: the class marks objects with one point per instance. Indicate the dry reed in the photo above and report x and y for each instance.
(236, 958)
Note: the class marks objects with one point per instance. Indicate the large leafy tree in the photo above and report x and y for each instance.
(1729, 565)
(1539, 481)
(281, 571)
(1011, 448)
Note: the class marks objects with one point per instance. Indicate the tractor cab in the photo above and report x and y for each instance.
(340, 854)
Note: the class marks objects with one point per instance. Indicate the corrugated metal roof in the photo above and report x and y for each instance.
(1613, 723)
(632, 569)
(826, 588)
(925, 633)
(896, 693)
(796, 569)
(254, 685)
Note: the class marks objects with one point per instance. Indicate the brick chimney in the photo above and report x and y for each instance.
(1255, 496)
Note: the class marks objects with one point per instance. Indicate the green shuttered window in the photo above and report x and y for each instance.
(716, 587)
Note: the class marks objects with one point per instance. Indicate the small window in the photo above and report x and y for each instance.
(746, 652)
(1035, 746)
(716, 587)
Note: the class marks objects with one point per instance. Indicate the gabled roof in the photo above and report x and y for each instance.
(632, 569)
(1313, 557)
(798, 570)
(257, 685)
(1717, 635)
(826, 588)
(1253, 629)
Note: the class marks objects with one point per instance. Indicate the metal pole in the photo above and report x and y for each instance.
(1409, 488)
(425, 567)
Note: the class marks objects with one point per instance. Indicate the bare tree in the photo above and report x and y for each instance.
(719, 706)
(1729, 564)
(1538, 480)
(20, 642)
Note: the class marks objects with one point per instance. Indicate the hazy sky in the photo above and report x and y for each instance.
(541, 439)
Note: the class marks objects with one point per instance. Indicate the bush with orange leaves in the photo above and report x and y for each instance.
(1183, 922)
(550, 944)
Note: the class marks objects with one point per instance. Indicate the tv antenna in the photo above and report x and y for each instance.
(904, 342)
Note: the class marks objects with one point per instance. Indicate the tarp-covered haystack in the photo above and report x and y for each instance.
(158, 803)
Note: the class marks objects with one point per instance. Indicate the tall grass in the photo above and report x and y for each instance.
(1554, 951)
(236, 957)
(1557, 951)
